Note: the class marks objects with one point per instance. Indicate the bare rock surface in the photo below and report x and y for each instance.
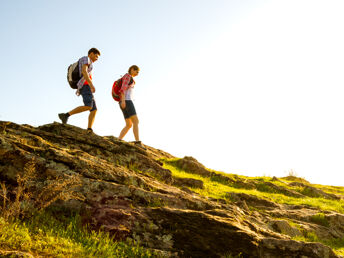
(15, 254)
(126, 191)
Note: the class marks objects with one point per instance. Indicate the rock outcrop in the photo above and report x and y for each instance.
(125, 190)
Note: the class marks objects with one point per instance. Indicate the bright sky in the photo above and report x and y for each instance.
(246, 87)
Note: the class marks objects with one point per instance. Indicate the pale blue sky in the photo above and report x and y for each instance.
(246, 87)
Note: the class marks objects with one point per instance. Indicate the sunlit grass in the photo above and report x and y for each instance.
(44, 235)
(337, 245)
(218, 190)
(211, 188)
(331, 189)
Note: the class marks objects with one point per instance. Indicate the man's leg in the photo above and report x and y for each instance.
(79, 110)
(89, 103)
(134, 119)
(64, 116)
(91, 118)
(124, 131)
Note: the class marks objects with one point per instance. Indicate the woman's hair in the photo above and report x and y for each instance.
(134, 67)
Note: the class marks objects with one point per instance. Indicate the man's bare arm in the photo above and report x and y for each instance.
(87, 77)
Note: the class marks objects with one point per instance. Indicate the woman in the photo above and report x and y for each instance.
(127, 105)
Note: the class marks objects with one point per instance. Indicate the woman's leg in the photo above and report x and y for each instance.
(135, 121)
(128, 124)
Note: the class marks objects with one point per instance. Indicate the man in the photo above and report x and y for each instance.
(86, 89)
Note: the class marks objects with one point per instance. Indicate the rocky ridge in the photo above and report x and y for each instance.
(125, 190)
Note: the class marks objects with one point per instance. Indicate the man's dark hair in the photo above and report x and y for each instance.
(134, 67)
(94, 50)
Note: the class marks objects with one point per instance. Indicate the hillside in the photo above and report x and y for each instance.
(170, 206)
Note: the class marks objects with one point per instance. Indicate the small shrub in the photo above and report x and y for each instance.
(312, 237)
(23, 200)
(265, 188)
(156, 203)
(12, 207)
(292, 173)
(320, 219)
(220, 179)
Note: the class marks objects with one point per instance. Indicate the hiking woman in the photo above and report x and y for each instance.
(127, 106)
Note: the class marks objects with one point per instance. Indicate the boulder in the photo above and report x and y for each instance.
(191, 165)
(189, 182)
(282, 226)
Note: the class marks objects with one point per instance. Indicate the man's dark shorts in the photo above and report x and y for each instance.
(129, 109)
(87, 97)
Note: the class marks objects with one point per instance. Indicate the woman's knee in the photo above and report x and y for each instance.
(128, 124)
(135, 120)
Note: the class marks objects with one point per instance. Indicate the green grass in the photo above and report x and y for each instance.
(308, 237)
(320, 219)
(217, 189)
(331, 189)
(284, 183)
(44, 235)
(337, 245)
(211, 188)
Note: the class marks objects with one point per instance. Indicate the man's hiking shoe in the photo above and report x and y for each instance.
(63, 117)
(89, 130)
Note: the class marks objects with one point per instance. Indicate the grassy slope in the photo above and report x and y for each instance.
(44, 235)
(217, 189)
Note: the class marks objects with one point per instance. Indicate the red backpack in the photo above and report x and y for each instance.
(116, 88)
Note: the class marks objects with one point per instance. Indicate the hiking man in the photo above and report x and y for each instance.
(86, 89)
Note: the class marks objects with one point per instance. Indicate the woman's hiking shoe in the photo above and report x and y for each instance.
(139, 144)
(63, 117)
